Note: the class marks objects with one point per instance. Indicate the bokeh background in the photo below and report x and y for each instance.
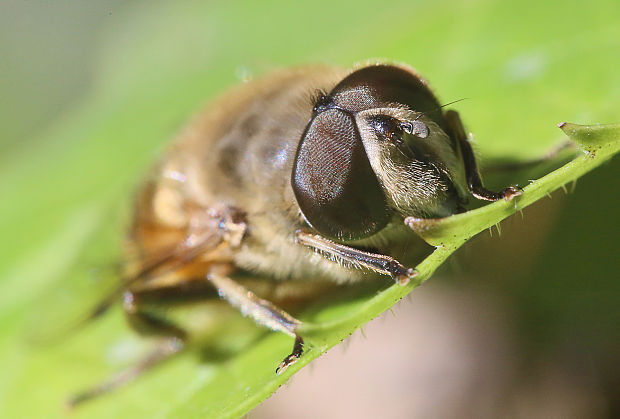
(522, 325)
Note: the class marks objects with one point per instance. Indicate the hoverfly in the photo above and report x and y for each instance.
(303, 177)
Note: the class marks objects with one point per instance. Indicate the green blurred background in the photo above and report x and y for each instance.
(90, 91)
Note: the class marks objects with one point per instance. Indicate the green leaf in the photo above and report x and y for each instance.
(158, 63)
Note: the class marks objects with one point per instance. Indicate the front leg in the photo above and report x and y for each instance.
(379, 263)
(474, 182)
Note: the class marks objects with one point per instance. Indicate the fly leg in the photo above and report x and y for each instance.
(145, 323)
(379, 263)
(261, 311)
(163, 351)
(215, 231)
(173, 338)
(474, 182)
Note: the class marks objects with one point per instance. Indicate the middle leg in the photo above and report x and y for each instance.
(263, 312)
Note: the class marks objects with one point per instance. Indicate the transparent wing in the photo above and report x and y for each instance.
(98, 277)
(76, 295)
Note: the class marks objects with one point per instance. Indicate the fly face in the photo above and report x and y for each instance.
(369, 151)
(414, 159)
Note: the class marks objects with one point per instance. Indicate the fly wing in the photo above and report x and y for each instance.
(74, 294)
(104, 269)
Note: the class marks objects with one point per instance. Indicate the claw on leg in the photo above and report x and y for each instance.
(486, 195)
(298, 349)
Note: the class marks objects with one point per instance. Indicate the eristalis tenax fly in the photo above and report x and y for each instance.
(301, 179)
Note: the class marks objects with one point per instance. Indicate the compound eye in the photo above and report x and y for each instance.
(334, 184)
(417, 128)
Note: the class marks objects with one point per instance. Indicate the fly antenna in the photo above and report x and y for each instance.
(440, 106)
